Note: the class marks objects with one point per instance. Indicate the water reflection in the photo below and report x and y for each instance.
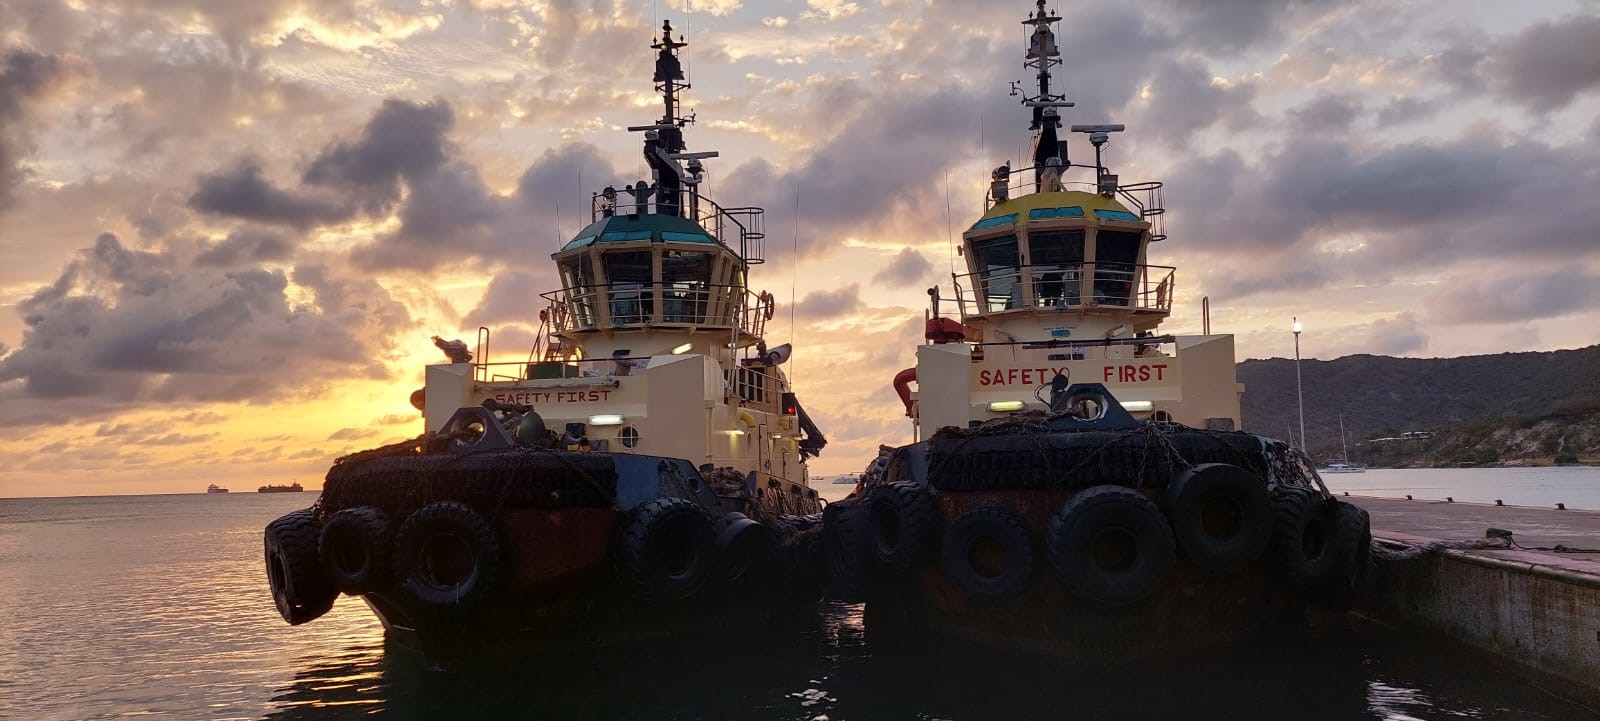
(1339, 670)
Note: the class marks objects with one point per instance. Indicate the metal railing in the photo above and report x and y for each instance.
(658, 304)
(1064, 286)
(742, 228)
(1144, 198)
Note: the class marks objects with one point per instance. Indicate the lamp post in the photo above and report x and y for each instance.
(1300, 397)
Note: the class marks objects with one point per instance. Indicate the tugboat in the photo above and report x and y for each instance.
(1079, 486)
(642, 474)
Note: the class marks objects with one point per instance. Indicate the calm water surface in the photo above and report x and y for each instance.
(156, 606)
(1576, 486)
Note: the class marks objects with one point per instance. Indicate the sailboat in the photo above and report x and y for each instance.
(1342, 464)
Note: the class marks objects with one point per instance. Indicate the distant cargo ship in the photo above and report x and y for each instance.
(291, 488)
(214, 488)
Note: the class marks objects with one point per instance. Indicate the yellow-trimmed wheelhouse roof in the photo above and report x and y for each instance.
(1058, 204)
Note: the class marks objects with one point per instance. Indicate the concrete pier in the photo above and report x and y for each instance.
(1538, 609)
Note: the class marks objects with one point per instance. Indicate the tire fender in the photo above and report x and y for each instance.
(847, 550)
(665, 548)
(448, 557)
(904, 526)
(300, 591)
(355, 548)
(1221, 515)
(1303, 537)
(1111, 546)
(987, 552)
(746, 549)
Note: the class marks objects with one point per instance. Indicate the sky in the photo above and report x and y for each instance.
(228, 230)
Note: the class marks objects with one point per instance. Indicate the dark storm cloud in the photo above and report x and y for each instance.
(1405, 110)
(403, 141)
(242, 192)
(1547, 65)
(122, 327)
(25, 77)
(249, 246)
(908, 268)
(1509, 298)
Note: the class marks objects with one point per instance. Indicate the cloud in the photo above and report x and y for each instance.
(352, 434)
(1327, 114)
(25, 78)
(908, 268)
(1512, 298)
(826, 304)
(1398, 335)
(241, 192)
(128, 327)
(1548, 64)
(1185, 98)
(250, 246)
(402, 141)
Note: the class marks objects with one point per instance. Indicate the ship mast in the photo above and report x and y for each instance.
(663, 141)
(1049, 151)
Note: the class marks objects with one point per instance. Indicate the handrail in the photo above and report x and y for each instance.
(688, 305)
(1150, 208)
(1063, 286)
(745, 224)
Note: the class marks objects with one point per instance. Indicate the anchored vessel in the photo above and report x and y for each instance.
(642, 472)
(214, 488)
(291, 488)
(1078, 485)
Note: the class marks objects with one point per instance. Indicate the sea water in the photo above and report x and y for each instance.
(157, 607)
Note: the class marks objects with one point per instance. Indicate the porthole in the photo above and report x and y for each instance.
(629, 436)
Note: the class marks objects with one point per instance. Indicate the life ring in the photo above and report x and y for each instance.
(905, 525)
(665, 548)
(1112, 546)
(448, 557)
(988, 554)
(299, 590)
(847, 550)
(1352, 550)
(768, 307)
(355, 549)
(746, 549)
(1221, 515)
(1303, 537)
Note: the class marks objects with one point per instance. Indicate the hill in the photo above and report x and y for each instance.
(1383, 396)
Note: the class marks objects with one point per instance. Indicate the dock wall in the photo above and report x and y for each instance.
(1539, 611)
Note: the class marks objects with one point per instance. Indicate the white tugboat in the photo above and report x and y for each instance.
(645, 461)
(1078, 485)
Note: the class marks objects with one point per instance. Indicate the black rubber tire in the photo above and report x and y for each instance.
(975, 460)
(807, 579)
(356, 548)
(904, 526)
(665, 549)
(294, 573)
(747, 550)
(1112, 546)
(1304, 538)
(847, 550)
(1221, 516)
(448, 557)
(990, 531)
(1352, 551)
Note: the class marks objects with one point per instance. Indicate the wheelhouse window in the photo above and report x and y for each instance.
(629, 277)
(1056, 258)
(685, 280)
(1115, 265)
(999, 279)
(578, 279)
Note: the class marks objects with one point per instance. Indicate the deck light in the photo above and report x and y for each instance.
(1005, 406)
(1138, 406)
(734, 432)
(605, 419)
(680, 350)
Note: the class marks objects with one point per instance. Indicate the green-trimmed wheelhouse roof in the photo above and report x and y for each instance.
(645, 226)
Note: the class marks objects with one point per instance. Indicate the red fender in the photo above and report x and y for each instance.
(902, 386)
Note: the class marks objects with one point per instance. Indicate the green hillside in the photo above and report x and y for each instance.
(1379, 395)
